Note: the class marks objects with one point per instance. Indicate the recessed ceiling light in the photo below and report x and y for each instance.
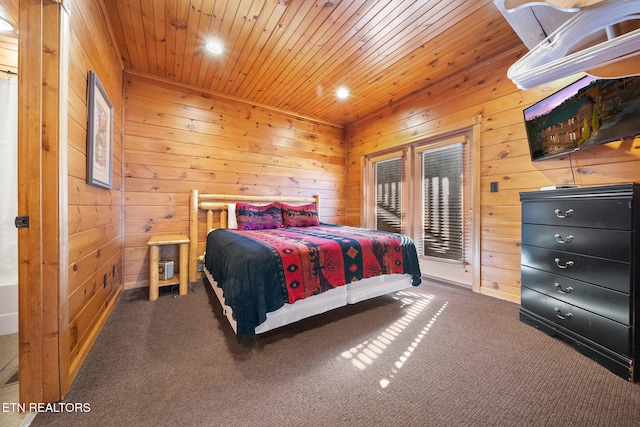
(5, 25)
(342, 92)
(215, 46)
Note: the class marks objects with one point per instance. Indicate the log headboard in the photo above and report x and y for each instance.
(211, 203)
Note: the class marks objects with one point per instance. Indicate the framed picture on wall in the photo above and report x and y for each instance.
(99, 134)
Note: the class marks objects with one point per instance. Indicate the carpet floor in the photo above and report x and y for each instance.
(434, 355)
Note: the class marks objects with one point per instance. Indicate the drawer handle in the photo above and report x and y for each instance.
(567, 239)
(559, 314)
(567, 214)
(566, 264)
(563, 291)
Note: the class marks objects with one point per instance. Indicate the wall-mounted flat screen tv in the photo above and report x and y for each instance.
(586, 113)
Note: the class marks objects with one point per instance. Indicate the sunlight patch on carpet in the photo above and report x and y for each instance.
(414, 344)
(367, 352)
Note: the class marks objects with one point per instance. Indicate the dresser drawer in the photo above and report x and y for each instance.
(608, 303)
(608, 213)
(599, 271)
(601, 330)
(599, 242)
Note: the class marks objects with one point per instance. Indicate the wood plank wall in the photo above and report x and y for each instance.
(504, 157)
(178, 138)
(95, 217)
(8, 54)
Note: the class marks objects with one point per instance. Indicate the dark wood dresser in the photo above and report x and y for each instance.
(580, 250)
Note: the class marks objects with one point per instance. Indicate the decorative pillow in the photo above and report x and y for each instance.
(252, 217)
(299, 216)
(232, 224)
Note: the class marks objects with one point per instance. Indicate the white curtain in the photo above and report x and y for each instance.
(8, 180)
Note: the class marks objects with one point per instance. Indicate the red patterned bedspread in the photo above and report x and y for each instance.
(313, 260)
(261, 270)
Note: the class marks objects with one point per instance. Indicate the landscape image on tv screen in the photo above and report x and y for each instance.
(586, 113)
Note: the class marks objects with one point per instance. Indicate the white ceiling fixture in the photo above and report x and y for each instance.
(342, 92)
(588, 41)
(568, 5)
(215, 46)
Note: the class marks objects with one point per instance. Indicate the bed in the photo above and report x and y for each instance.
(271, 262)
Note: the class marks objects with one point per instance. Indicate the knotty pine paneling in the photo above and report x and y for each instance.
(95, 218)
(293, 55)
(8, 54)
(504, 156)
(178, 138)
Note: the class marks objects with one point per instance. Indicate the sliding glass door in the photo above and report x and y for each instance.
(424, 190)
(443, 188)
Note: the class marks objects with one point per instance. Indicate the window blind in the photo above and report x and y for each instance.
(442, 202)
(388, 188)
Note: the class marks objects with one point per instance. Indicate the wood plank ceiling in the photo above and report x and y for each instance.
(294, 54)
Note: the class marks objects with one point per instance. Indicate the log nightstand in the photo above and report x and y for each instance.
(154, 263)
